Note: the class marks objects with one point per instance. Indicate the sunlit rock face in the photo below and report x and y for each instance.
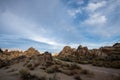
(30, 57)
(31, 51)
(112, 50)
(67, 50)
(84, 52)
(116, 45)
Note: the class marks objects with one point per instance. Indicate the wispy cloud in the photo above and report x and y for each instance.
(96, 19)
(52, 24)
(26, 29)
(94, 6)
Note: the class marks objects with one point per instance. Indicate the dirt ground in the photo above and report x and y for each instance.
(100, 73)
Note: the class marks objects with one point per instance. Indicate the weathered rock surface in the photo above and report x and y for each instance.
(31, 51)
(30, 56)
(44, 59)
(85, 53)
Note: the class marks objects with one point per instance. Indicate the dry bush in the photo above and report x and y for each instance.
(25, 75)
(67, 72)
(87, 72)
(29, 65)
(74, 66)
(84, 71)
(52, 69)
(58, 62)
(64, 64)
(77, 77)
(54, 77)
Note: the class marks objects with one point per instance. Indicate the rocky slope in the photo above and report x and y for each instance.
(110, 54)
(103, 51)
(30, 56)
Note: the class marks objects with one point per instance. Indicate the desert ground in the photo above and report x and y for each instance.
(99, 73)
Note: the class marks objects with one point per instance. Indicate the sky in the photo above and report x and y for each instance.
(49, 25)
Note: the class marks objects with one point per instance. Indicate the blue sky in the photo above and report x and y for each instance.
(49, 25)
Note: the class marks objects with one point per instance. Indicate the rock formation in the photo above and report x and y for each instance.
(85, 53)
(31, 57)
(31, 51)
(67, 50)
(44, 59)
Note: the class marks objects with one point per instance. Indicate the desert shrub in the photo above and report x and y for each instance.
(53, 69)
(47, 64)
(29, 65)
(77, 77)
(74, 66)
(63, 64)
(67, 72)
(4, 63)
(84, 71)
(109, 64)
(25, 75)
(98, 63)
(75, 71)
(115, 64)
(54, 77)
(66, 59)
(42, 67)
(84, 62)
(70, 72)
(58, 62)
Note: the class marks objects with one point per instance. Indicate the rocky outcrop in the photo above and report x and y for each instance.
(1, 51)
(67, 50)
(82, 50)
(116, 45)
(112, 50)
(85, 53)
(44, 59)
(31, 57)
(31, 51)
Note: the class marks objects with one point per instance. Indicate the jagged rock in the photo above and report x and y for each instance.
(82, 50)
(1, 51)
(83, 53)
(31, 51)
(67, 50)
(116, 45)
(112, 50)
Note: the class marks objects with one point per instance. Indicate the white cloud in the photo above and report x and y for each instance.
(105, 21)
(94, 6)
(96, 19)
(73, 12)
(26, 29)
